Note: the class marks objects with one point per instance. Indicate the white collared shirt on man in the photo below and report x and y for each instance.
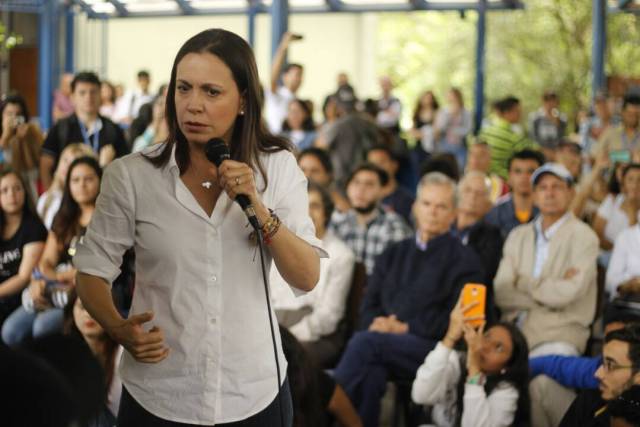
(201, 277)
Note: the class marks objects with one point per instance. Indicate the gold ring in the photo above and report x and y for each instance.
(237, 181)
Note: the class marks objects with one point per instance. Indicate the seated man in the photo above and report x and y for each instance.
(366, 228)
(556, 379)
(409, 296)
(517, 207)
(546, 281)
(485, 239)
(313, 318)
(618, 372)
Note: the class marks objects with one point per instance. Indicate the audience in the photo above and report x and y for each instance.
(394, 197)
(389, 108)
(85, 125)
(49, 201)
(79, 323)
(622, 140)
(157, 131)
(517, 207)
(316, 166)
(21, 242)
(278, 96)
(547, 125)
(546, 281)
(107, 99)
(424, 119)
(62, 102)
(128, 106)
(592, 128)
(474, 231)
(485, 387)
(43, 302)
(623, 273)
(298, 126)
(479, 160)
(617, 373)
(453, 124)
(413, 287)
(616, 213)
(20, 142)
(314, 318)
(366, 228)
(501, 136)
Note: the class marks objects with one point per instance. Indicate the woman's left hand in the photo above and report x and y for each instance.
(473, 338)
(237, 178)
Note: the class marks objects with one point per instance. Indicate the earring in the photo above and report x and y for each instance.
(242, 112)
(503, 371)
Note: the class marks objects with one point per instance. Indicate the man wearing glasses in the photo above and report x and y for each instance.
(620, 369)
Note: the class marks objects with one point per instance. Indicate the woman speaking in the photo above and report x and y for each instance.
(198, 339)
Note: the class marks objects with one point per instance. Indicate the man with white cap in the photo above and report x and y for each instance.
(546, 281)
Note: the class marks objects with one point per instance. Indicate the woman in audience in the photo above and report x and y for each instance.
(618, 212)
(108, 99)
(314, 318)
(42, 303)
(21, 242)
(298, 127)
(20, 142)
(49, 201)
(452, 126)
(424, 117)
(487, 387)
(316, 166)
(316, 397)
(79, 323)
(157, 131)
(591, 191)
(623, 274)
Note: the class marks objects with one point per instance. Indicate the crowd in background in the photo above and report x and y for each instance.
(544, 215)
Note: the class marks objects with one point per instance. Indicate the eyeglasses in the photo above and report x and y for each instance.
(610, 366)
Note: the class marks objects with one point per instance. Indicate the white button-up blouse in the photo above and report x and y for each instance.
(201, 276)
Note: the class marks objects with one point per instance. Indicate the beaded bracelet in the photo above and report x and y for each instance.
(270, 227)
(475, 379)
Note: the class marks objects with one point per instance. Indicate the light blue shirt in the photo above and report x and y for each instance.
(542, 242)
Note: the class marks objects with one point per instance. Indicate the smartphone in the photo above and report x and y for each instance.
(474, 292)
(620, 156)
(19, 120)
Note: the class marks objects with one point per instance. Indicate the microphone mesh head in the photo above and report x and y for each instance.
(217, 151)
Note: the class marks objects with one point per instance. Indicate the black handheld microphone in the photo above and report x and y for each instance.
(217, 152)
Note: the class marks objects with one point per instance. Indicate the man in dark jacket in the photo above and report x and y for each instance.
(414, 285)
(620, 370)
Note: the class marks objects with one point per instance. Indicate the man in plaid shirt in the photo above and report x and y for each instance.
(366, 228)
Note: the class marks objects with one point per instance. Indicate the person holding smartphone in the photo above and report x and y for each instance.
(20, 142)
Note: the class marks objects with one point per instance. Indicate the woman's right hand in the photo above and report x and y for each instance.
(144, 346)
(456, 322)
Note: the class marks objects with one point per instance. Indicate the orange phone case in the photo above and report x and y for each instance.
(474, 292)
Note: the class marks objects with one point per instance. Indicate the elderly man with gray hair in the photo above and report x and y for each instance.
(474, 193)
(414, 285)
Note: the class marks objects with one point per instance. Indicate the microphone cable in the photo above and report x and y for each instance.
(273, 336)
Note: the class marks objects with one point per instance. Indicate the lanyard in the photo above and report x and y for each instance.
(95, 144)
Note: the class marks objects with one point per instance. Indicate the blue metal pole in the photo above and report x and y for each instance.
(279, 22)
(480, 53)
(253, 11)
(46, 61)
(69, 43)
(599, 45)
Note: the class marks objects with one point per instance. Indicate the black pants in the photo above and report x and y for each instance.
(131, 414)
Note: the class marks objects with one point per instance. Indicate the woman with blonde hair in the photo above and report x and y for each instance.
(49, 201)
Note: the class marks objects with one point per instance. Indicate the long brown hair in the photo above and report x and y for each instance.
(250, 135)
(66, 223)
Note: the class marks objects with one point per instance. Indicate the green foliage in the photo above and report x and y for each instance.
(8, 40)
(545, 46)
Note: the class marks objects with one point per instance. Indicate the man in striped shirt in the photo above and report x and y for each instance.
(501, 136)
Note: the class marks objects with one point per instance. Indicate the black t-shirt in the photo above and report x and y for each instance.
(67, 131)
(30, 230)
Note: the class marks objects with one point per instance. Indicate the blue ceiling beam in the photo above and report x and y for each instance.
(185, 7)
(120, 8)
